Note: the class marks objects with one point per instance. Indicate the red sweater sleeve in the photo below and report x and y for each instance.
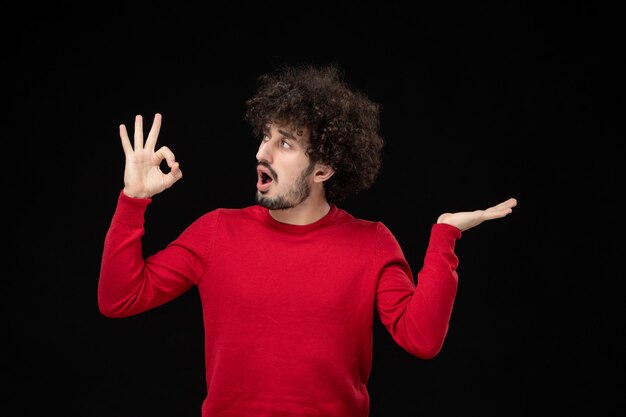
(128, 283)
(417, 316)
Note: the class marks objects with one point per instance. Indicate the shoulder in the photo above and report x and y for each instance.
(375, 228)
(357, 224)
(378, 236)
(235, 220)
(227, 214)
(219, 219)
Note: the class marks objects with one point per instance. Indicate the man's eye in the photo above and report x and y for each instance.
(285, 144)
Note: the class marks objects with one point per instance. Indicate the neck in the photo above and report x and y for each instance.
(309, 211)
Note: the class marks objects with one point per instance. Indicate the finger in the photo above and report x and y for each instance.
(154, 132)
(174, 175)
(165, 153)
(507, 204)
(511, 202)
(175, 172)
(128, 148)
(506, 207)
(499, 211)
(138, 132)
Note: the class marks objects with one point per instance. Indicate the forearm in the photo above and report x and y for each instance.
(130, 284)
(122, 264)
(417, 317)
(424, 325)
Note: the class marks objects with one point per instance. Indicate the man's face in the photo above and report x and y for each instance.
(284, 170)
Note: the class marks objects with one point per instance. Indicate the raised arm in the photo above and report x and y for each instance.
(418, 317)
(128, 283)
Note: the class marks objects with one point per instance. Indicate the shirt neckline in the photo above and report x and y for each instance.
(297, 228)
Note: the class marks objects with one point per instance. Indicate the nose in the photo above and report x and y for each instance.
(264, 153)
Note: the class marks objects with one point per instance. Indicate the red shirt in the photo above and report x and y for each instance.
(288, 310)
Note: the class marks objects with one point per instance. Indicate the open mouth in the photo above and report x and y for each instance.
(264, 178)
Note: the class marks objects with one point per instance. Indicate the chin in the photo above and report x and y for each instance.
(276, 203)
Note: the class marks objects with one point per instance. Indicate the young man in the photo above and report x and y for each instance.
(289, 286)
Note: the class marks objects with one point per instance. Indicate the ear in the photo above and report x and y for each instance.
(322, 172)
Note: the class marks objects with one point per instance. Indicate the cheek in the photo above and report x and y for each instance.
(291, 167)
(290, 176)
(294, 169)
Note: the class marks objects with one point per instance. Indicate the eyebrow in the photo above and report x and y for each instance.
(283, 132)
(287, 134)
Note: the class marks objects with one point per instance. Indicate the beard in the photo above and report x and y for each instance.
(296, 194)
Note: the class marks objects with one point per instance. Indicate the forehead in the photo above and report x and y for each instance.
(300, 134)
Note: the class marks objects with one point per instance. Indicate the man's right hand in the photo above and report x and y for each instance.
(143, 177)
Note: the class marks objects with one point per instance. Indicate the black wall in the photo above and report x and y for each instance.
(481, 101)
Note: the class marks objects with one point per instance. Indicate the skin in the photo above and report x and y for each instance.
(283, 149)
(297, 183)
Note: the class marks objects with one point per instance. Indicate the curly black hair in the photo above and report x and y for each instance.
(343, 123)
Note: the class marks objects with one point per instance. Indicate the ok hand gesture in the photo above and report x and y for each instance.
(143, 177)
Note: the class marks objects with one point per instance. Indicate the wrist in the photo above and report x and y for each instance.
(134, 194)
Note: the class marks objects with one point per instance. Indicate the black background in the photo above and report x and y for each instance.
(481, 101)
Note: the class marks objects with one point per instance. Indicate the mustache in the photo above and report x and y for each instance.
(269, 168)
